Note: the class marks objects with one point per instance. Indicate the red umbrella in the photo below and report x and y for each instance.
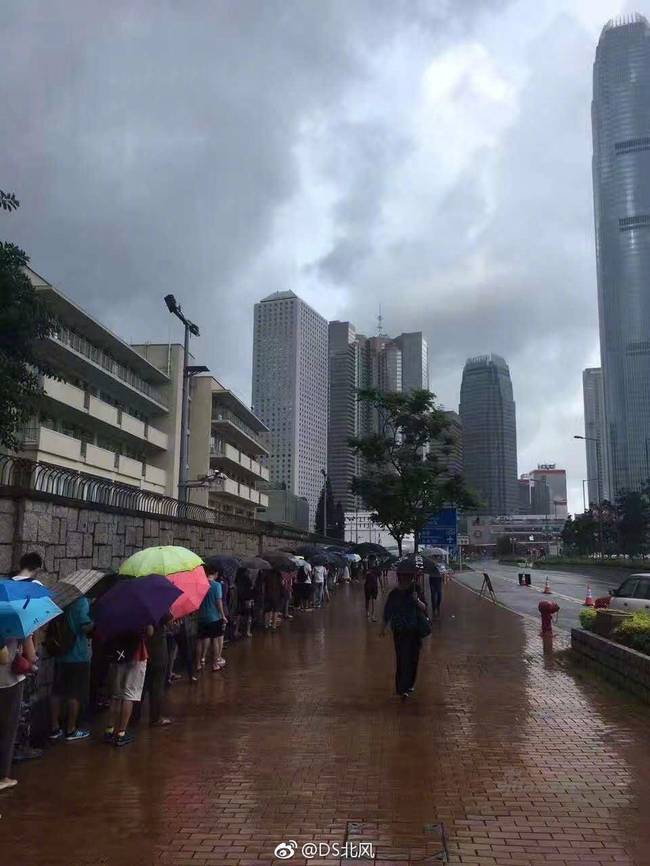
(194, 585)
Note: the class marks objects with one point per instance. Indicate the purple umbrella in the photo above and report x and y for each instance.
(132, 605)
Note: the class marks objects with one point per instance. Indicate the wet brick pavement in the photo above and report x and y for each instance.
(523, 761)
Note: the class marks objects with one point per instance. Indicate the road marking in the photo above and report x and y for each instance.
(558, 594)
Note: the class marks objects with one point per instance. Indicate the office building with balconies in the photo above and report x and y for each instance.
(105, 412)
(226, 439)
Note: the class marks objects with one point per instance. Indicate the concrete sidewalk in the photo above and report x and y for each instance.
(301, 739)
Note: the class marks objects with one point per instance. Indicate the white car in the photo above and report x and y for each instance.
(632, 595)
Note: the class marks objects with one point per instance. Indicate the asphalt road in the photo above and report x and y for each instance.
(567, 589)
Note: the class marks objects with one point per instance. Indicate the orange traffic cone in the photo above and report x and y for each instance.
(547, 588)
(589, 601)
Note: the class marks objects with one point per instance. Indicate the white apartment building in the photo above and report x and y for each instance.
(106, 411)
(225, 436)
(290, 385)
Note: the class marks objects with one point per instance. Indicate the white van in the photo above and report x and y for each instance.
(632, 595)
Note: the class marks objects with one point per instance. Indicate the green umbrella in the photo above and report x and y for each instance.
(160, 560)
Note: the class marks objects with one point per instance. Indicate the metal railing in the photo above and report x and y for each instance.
(219, 414)
(102, 359)
(47, 479)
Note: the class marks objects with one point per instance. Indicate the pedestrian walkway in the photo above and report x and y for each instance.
(301, 739)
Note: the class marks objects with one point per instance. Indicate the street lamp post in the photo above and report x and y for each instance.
(600, 494)
(190, 328)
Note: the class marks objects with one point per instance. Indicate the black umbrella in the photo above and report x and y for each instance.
(309, 550)
(321, 559)
(223, 563)
(367, 548)
(280, 561)
(414, 563)
(256, 563)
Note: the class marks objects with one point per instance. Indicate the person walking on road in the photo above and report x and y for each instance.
(404, 606)
(435, 585)
(371, 589)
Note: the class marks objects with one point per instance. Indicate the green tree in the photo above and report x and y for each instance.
(633, 509)
(24, 321)
(406, 477)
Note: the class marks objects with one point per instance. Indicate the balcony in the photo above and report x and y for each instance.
(50, 446)
(233, 428)
(225, 456)
(239, 490)
(98, 410)
(109, 366)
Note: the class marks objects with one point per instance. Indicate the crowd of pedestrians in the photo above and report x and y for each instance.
(119, 674)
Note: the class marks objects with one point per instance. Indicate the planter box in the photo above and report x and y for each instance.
(606, 620)
(620, 665)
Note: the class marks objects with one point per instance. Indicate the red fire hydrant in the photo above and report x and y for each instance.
(547, 609)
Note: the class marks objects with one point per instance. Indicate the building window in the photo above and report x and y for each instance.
(632, 145)
(625, 224)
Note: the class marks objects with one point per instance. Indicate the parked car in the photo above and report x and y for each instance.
(632, 595)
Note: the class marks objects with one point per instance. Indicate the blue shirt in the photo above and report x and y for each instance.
(209, 610)
(78, 615)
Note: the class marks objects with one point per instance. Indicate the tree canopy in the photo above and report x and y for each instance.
(24, 320)
(406, 476)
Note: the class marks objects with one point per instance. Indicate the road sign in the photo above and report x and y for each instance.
(440, 529)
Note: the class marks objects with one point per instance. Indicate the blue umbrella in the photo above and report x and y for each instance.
(132, 605)
(23, 616)
(10, 590)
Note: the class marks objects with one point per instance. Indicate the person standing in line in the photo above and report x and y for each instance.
(245, 599)
(72, 674)
(129, 656)
(287, 592)
(403, 607)
(273, 598)
(371, 589)
(157, 667)
(435, 585)
(212, 626)
(319, 584)
(11, 692)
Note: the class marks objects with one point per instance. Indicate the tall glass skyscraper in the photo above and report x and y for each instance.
(488, 417)
(621, 178)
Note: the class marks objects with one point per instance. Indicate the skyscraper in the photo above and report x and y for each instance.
(488, 416)
(356, 361)
(592, 388)
(290, 392)
(621, 179)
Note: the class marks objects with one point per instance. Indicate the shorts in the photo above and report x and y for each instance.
(371, 592)
(127, 680)
(212, 629)
(72, 681)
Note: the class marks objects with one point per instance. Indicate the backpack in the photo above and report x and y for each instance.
(59, 637)
(121, 648)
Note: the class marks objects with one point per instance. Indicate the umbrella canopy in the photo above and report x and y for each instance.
(309, 550)
(21, 617)
(321, 559)
(74, 585)
(256, 563)
(132, 605)
(194, 585)
(415, 563)
(160, 560)
(280, 561)
(367, 548)
(435, 551)
(12, 590)
(224, 563)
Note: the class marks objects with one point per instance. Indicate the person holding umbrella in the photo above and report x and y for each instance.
(405, 614)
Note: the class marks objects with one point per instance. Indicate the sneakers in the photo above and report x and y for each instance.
(77, 734)
(56, 735)
(109, 736)
(28, 754)
(123, 739)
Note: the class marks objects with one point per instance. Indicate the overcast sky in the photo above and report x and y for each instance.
(431, 156)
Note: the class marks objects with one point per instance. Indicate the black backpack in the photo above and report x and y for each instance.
(59, 637)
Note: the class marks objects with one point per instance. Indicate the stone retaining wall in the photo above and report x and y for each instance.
(71, 535)
(620, 665)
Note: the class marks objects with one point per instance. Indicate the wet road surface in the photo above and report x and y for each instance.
(301, 739)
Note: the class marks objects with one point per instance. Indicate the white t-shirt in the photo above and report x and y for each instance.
(7, 677)
(319, 574)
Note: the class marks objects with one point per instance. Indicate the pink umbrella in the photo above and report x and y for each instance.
(194, 586)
